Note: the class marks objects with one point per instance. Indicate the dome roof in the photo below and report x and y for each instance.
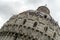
(43, 9)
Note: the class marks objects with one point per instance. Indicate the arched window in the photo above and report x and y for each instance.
(54, 34)
(35, 24)
(24, 21)
(45, 28)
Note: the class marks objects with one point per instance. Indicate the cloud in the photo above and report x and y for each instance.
(55, 9)
(2, 21)
(11, 7)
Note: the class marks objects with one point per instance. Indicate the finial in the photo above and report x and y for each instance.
(45, 5)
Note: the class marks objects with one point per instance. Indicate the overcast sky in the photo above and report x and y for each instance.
(11, 7)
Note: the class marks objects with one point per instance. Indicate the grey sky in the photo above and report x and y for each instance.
(11, 7)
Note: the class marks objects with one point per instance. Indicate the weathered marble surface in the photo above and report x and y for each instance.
(31, 25)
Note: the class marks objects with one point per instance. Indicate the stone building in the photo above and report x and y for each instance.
(31, 25)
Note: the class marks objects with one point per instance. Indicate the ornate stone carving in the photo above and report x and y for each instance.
(31, 25)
